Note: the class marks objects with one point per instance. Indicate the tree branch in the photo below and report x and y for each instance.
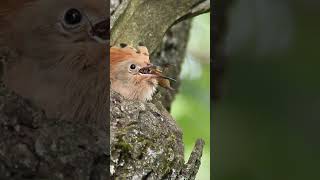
(147, 21)
(192, 166)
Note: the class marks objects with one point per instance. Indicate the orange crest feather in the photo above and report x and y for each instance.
(118, 54)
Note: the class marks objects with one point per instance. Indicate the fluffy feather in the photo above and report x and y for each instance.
(129, 82)
(60, 68)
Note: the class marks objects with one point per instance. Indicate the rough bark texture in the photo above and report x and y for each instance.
(146, 21)
(172, 51)
(146, 142)
(35, 147)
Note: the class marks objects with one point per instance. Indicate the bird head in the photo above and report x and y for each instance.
(56, 53)
(131, 73)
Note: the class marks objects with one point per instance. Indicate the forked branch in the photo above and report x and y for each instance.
(146, 21)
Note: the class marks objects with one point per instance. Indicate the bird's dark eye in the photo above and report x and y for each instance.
(73, 16)
(132, 66)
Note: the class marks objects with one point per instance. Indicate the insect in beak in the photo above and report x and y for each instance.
(154, 71)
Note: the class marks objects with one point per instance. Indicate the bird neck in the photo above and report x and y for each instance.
(142, 91)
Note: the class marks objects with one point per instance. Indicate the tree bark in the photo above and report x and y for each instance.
(146, 142)
(146, 21)
(35, 147)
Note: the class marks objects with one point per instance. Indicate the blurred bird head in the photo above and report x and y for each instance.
(56, 53)
(131, 73)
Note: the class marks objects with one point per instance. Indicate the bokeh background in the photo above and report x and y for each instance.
(191, 107)
(267, 120)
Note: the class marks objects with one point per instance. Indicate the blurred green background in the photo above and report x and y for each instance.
(191, 107)
(267, 122)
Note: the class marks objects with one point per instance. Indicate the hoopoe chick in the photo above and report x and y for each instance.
(131, 73)
(56, 56)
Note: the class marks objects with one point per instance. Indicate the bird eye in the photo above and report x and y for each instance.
(73, 16)
(132, 66)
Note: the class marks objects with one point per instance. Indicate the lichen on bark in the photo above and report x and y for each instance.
(146, 143)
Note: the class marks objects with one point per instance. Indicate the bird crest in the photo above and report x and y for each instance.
(125, 52)
(141, 54)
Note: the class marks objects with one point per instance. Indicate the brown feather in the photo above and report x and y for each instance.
(60, 70)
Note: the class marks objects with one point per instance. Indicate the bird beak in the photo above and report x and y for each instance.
(153, 71)
(100, 30)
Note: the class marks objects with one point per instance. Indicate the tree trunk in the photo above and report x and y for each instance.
(146, 142)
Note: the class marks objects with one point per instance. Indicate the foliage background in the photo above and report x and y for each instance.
(267, 120)
(191, 107)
